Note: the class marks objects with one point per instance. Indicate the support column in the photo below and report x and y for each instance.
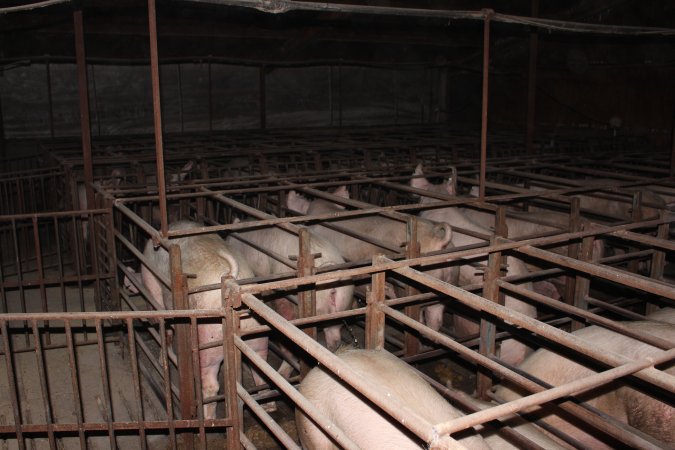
(157, 112)
(532, 82)
(83, 90)
(484, 114)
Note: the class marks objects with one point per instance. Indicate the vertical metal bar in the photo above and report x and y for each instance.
(375, 317)
(572, 248)
(488, 330)
(157, 112)
(180, 99)
(83, 90)
(182, 343)
(75, 384)
(115, 303)
(196, 370)
(262, 97)
(105, 382)
(47, 404)
(658, 261)
(19, 276)
(340, 103)
(133, 357)
(9, 365)
(59, 262)
(40, 271)
(231, 299)
(330, 93)
(168, 397)
(94, 93)
(484, 112)
(306, 298)
(636, 216)
(532, 82)
(411, 342)
(51, 101)
(583, 281)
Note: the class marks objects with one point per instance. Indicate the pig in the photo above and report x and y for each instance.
(371, 429)
(512, 351)
(431, 236)
(330, 297)
(618, 399)
(209, 258)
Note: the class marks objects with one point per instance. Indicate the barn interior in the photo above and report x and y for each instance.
(455, 184)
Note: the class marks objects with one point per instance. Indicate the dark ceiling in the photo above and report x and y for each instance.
(116, 31)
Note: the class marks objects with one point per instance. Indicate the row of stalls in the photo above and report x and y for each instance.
(92, 357)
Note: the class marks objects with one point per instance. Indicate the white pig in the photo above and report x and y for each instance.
(209, 258)
(371, 429)
(512, 351)
(618, 399)
(331, 298)
(431, 236)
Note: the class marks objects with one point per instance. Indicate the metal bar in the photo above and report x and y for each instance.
(375, 318)
(46, 399)
(83, 90)
(391, 406)
(168, 397)
(11, 378)
(532, 81)
(133, 357)
(157, 114)
(307, 407)
(306, 298)
(232, 362)
(75, 385)
(267, 420)
(655, 377)
(484, 96)
(573, 387)
(105, 383)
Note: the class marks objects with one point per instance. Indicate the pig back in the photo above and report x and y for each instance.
(207, 257)
(618, 399)
(363, 423)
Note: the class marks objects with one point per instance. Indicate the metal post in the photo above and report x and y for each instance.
(532, 82)
(306, 298)
(658, 260)
(484, 115)
(583, 281)
(488, 330)
(636, 216)
(210, 91)
(375, 317)
(232, 358)
(262, 97)
(411, 342)
(51, 101)
(84, 106)
(157, 111)
(179, 291)
(572, 248)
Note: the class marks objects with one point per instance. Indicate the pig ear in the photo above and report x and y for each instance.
(451, 184)
(297, 202)
(420, 183)
(341, 192)
(236, 220)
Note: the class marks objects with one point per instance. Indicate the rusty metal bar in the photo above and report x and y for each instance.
(267, 420)
(655, 377)
(182, 338)
(582, 282)
(375, 318)
(105, 383)
(601, 423)
(157, 113)
(411, 345)
(75, 385)
(484, 102)
(46, 399)
(13, 388)
(133, 358)
(196, 370)
(306, 298)
(320, 419)
(232, 362)
(83, 90)
(168, 397)
(573, 387)
(391, 406)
